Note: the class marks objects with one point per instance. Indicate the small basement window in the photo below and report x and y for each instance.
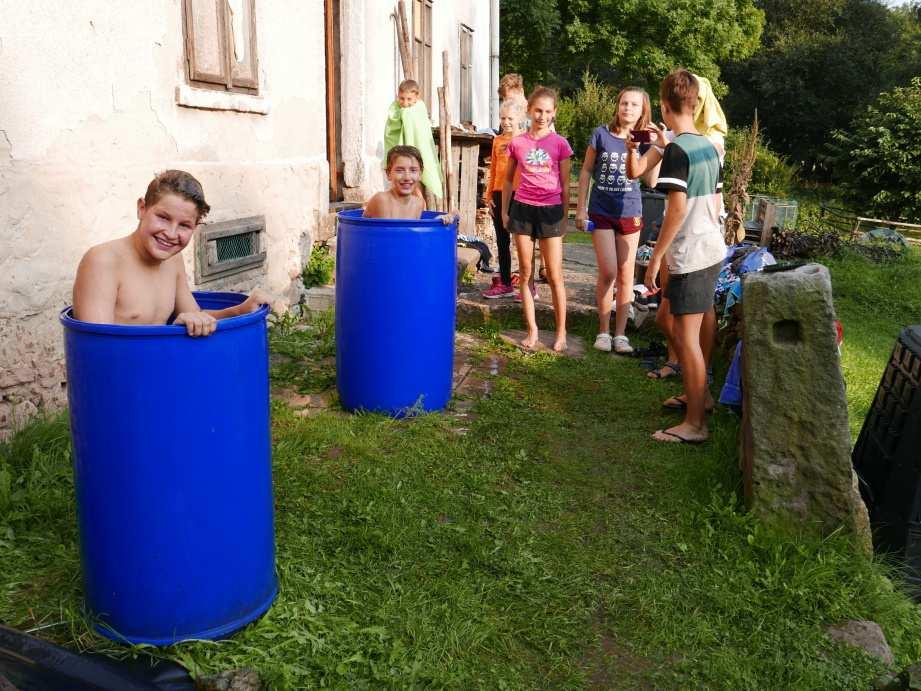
(228, 248)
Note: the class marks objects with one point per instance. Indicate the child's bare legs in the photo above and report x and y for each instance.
(626, 265)
(707, 343)
(524, 245)
(606, 255)
(551, 250)
(687, 333)
(665, 322)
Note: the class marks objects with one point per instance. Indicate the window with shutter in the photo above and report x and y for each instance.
(220, 44)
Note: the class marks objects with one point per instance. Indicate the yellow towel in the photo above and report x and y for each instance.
(708, 116)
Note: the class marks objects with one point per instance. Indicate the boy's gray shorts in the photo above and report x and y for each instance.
(692, 293)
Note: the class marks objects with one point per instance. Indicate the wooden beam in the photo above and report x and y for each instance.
(448, 163)
(406, 54)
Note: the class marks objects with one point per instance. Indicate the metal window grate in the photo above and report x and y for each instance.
(236, 246)
(229, 247)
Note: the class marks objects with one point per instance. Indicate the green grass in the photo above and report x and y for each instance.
(551, 545)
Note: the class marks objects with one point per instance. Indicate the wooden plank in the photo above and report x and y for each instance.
(469, 173)
(406, 55)
(332, 154)
(442, 148)
(446, 100)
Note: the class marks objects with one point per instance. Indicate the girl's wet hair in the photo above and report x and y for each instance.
(680, 91)
(403, 150)
(542, 92)
(645, 115)
(180, 183)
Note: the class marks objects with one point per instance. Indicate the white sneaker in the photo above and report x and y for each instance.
(603, 342)
(622, 345)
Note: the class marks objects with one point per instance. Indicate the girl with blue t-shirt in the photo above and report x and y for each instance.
(616, 208)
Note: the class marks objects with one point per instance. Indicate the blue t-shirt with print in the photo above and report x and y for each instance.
(613, 194)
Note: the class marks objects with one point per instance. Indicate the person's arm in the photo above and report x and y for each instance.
(675, 213)
(588, 165)
(375, 207)
(197, 321)
(647, 165)
(96, 287)
(565, 166)
(493, 160)
(507, 188)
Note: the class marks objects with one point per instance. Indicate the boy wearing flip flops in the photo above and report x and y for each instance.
(691, 245)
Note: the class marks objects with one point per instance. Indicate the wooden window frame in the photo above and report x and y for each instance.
(229, 80)
(207, 266)
(422, 48)
(465, 83)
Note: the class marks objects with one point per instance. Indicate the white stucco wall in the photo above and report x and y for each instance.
(88, 114)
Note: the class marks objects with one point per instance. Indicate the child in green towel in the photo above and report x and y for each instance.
(408, 124)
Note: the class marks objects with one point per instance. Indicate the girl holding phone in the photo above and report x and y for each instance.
(616, 208)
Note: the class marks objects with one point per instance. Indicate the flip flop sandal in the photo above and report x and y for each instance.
(675, 403)
(677, 437)
(673, 366)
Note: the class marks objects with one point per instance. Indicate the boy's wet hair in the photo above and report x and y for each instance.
(180, 183)
(680, 91)
(410, 85)
(542, 92)
(512, 80)
(403, 150)
(645, 115)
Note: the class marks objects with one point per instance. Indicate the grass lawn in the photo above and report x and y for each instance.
(552, 544)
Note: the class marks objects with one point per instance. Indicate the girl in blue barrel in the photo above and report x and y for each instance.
(404, 171)
(140, 278)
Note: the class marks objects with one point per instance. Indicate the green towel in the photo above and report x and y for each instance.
(412, 126)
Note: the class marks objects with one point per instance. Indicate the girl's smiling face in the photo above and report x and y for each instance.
(404, 174)
(542, 111)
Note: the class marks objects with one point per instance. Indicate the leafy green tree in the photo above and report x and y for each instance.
(822, 61)
(878, 158)
(625, 41)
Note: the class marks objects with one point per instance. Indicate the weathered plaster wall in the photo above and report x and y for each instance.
(88, 114)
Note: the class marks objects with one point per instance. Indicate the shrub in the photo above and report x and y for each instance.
(320, 267)
(878, 160)
(591, 106)
(772, 174)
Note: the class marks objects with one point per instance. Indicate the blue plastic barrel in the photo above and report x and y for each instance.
(172, 467)
(396, 295)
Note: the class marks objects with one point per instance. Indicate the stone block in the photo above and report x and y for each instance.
(467, 258)
(866, 635)
(796, 445)
(320, 298)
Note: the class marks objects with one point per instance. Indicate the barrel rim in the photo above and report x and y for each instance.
(69, 323)
(429, 220)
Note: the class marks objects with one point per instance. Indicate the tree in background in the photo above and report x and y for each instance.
(878, 158)
(625, 41)
(822, 62)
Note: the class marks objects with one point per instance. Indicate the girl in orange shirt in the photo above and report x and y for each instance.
(511, 119)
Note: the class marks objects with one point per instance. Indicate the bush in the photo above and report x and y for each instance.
(772, 174)
(878, 160)
(577, 116)
(320, 267)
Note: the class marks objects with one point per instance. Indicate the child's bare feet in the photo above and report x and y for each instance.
(530, 340)
(559, 345)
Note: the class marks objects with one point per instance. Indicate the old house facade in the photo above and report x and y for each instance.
(277, 106)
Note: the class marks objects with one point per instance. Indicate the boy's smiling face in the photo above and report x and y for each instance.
(165, 227)
(407, 99)
(404, 174)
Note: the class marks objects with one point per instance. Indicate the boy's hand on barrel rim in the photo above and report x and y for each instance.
(197, 323)
(259, 297)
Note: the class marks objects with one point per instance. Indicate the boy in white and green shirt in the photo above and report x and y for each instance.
(691, 243)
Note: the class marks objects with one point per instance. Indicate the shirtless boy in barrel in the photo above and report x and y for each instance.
(140, 278)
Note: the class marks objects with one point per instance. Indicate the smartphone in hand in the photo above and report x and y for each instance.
(640, 136)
